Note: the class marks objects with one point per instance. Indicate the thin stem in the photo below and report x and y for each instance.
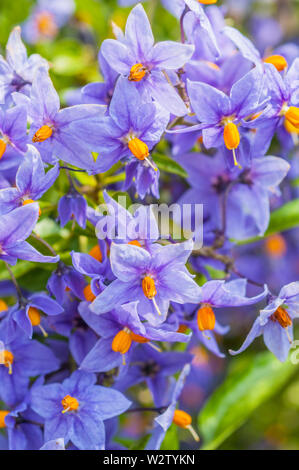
(46, 244)
(235, 271)
(182, 24)
(159, 410)
(14, 281)
(71, 169)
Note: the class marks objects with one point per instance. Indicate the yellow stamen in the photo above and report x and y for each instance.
(7, 358)
(31, 201)
(135, 243)
(88, 294)
(122, 342)
(149, 287)
(290, 128)
(184, 420)
(42, 134)
(96, 253)
(282, 316)
(140, 150)
(137, 73)
(35, 319)
(3, 306)
(207, 2)
(292, 116)
(278, 61)
(276, 246)
(206, 318)
(69, 404)
(2, 148)
(45, 24)
(231, 136)
(142, 340)
(3, 415)
(231, 139)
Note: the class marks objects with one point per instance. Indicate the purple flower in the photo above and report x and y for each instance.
(76, 410)
(223, 117)
(21, 359)
(130, 131)
(248, 191)
(118, 331)
(31, 182)
(15, 227)
(155, 369)
(72, 206)
(154, 278)
(63, 279)
(144, 64)
(26, 314)
(275, 322)
(46, 18)
(172, 415)
(53, 130)
(18, 70)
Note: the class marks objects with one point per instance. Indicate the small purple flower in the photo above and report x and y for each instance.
(223, 118)
(154, 278)
(63, 279)
(53, 129)
(145, 64)
(46, 18)
(18, 70)
(21, 359)
(15, 227)
(130, 131)
(172, 415)
(275, 322)
(76, 410)
(72, 206)
(31, 182)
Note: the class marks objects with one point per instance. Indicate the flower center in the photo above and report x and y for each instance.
(135, 243)
(122, 342)
(35, 319)
(3, 306)
(42, 134)
(184, 420)
(3, 415)
(69, 404)
(137, 72)
(96, 253)
(231, 137)
(2, 147)
(207, 2)
(149, 287)
(282, 316)
(278, 61)
(31, 201)
(7, 358)
(138, 148)
(292, 117)
(46, 24)
(206, 318)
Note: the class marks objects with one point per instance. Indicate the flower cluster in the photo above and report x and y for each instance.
(191, 120)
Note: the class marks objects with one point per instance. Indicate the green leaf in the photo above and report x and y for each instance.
(284, 218)
(250, 382)
(21, 268)
(171, 439)
(169, 165)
